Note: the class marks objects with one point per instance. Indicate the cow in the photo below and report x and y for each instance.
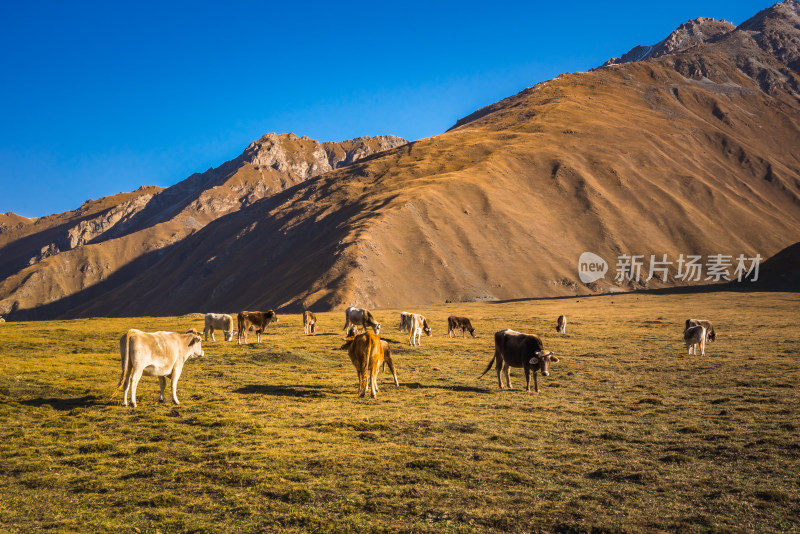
(710, 332)
(2, 320)
(463, 323)
(561, 324)
(257, 320)
(514, 349)
(366, 353)
(418, 324)
(360, 317)
(160, 354)
(405, 322)
(693, 337)
(309, 323)
(219, 321)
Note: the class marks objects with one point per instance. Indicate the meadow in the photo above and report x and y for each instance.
(628, 434)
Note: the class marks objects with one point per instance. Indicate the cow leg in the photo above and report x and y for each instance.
(126, 385)
(362, 383)
(507, 369)
(162, 383)
(528, 378)
(176, 374)
(535, 383)
(137, 375)
(702, 347)
(374, 380)
(464, 332)
(212, 335)
(205, 333)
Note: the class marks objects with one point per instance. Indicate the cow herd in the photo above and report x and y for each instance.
(163, 354)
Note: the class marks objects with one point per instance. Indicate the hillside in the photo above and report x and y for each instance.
(61, 255)
(692, 152)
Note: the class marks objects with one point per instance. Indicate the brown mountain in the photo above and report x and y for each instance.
(692, 152)
(55, 257)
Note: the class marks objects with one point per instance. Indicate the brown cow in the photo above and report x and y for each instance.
(258, 320)
(366, 353)
(513, 349)
(387, 353)
(710, 332)
(309, 323)
(463, 323)
(561, 324)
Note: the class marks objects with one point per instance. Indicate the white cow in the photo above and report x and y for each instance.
(418, 324)
(561, 324)
(693, 337)
(360, 317)
(219, 321)
(160, 354)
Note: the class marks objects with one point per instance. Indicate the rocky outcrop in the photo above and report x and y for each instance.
(693, 32)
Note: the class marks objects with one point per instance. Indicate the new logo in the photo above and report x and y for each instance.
(591, 267)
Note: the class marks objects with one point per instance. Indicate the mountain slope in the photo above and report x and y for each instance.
(61, 255)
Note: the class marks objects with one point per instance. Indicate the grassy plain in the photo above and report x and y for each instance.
(627, 434)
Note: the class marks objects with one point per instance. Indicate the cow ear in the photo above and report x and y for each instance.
(534, 360)
(553, 359)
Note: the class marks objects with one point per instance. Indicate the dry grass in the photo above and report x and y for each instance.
(628, 433)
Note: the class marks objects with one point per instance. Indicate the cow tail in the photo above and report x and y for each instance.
(125, 362)
(491, 362)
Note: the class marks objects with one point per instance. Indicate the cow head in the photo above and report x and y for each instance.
(425, 327)
(471, 331)
(377, 328)
(228, 335)
(542, 360)
(712, 335)
(195, 347)
(272, 317)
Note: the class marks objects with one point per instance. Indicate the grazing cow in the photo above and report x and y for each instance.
(160, 354)
(710, 332)
(463, 323)
(693, 337)
(405, 321)
(418, 324)
(561, 324)
(219, 321)
(256, 320)
(360, 317)
(309, 323)
(513, 349)
(366, 353)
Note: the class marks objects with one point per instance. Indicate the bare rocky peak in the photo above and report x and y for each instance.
(776, 30)
(303, 157)
(690, 33)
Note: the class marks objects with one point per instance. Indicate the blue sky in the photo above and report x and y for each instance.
(102, 97)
